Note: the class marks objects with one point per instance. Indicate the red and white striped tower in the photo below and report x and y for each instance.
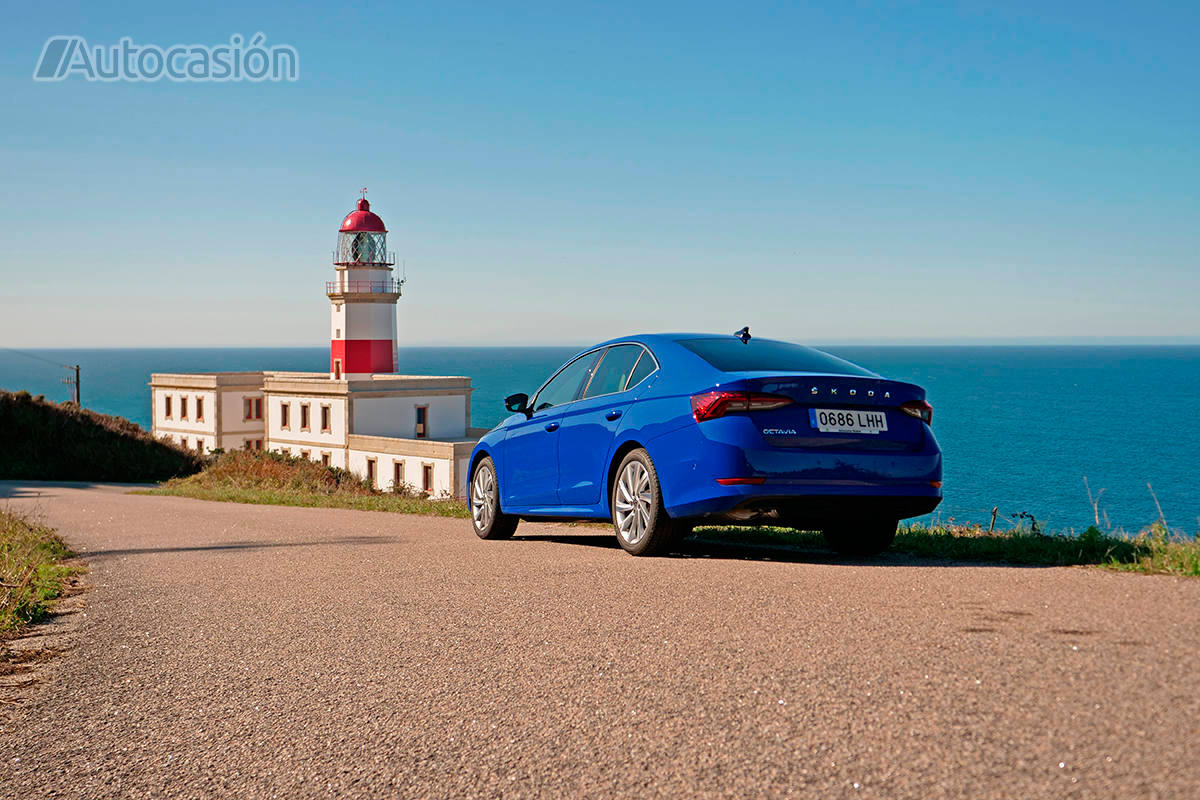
(363, 298)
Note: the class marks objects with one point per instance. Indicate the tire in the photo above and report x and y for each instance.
(487, 519)
(861, 539)
(639, 519)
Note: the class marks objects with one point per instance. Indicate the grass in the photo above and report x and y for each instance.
(32, 574)
(268, 478)
(1155, 550)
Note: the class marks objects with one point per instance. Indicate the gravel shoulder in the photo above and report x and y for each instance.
(265, 651)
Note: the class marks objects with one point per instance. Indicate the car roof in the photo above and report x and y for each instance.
(652, 338)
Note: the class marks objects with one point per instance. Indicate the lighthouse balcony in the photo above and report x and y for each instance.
(351, 287)
(377, 260)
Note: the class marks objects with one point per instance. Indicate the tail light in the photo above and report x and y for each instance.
(919, 409)
(711, 405)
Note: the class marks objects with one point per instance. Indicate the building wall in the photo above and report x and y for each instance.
(337, 455)
(397, 416)
(232, 403)
(364, 321)
(461, 477)
(313, 438)
(236, 430)
(412, 470)
(180, 430)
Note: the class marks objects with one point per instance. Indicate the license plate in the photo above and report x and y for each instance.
(840, 420)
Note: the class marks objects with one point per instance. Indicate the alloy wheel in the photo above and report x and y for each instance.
(483, 497)
(634, 502)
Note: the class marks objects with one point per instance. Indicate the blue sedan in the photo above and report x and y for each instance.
(663, 432)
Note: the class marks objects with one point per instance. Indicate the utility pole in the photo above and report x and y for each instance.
(74, 383)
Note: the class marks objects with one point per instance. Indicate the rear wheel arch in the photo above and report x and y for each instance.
(615, 462)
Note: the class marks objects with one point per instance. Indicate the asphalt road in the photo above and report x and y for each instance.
(245, 651)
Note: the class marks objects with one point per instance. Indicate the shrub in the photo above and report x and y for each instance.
(41, 440)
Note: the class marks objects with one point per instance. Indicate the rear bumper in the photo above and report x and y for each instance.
(766, 504)
(795, 482)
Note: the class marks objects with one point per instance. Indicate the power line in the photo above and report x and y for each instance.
(37, 358)
(72, 382)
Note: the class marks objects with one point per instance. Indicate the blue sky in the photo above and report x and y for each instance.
(561, 174)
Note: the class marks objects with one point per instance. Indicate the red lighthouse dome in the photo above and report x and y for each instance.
(362, 220)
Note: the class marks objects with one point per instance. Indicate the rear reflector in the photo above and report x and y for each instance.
(936, 484)
(711, 405)
(740, 481)
(919, 409)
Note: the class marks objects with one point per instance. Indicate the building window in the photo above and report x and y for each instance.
(258, 444)
(248, 444)
(199, 445)
(285, 415)
(306, 455)
(326, 413)
(337, 369)
(324, 459)
(422, 422)
(427, 477)
(371, 472)
(183, 442)
(200, 409)
(304, 416)
(397, 475)
(251, 408)
(182, 407)
(168, 398)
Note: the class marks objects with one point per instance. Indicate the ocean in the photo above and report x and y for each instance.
(1020, 427)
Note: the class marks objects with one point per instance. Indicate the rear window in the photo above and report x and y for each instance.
(765, 355)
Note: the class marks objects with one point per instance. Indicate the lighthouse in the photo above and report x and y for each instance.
(395, 431)
(362, 298)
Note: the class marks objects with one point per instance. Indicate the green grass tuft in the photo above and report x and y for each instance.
(31, 572)
(1154, 550)
(268, 478)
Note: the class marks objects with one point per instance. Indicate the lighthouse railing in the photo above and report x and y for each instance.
(388, 286)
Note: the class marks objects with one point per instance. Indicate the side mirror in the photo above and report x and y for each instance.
(518, 404)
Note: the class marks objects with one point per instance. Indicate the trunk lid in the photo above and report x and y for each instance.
(818, 399)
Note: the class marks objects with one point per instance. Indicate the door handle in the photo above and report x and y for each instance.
(612, 414)
(552, 426)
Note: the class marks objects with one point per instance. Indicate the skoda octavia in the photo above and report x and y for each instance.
(660, 433)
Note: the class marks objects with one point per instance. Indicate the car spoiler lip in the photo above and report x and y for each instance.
(734, 378)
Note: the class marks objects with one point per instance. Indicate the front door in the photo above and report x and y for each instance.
(530, 471)
(531, 459)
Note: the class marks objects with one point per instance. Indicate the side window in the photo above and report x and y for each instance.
(614, 370)
(645, 366)
(565, 386)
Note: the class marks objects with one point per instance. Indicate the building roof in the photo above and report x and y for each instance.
(362, 219)
(207, 380)
(321, 383)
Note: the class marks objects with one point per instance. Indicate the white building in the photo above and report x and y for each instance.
(360, 416)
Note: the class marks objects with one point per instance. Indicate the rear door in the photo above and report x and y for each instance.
(589, 425)
(530, 469)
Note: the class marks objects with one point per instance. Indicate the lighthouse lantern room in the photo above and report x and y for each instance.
(362, 298)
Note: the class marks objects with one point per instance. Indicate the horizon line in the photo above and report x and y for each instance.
(1033, 341)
